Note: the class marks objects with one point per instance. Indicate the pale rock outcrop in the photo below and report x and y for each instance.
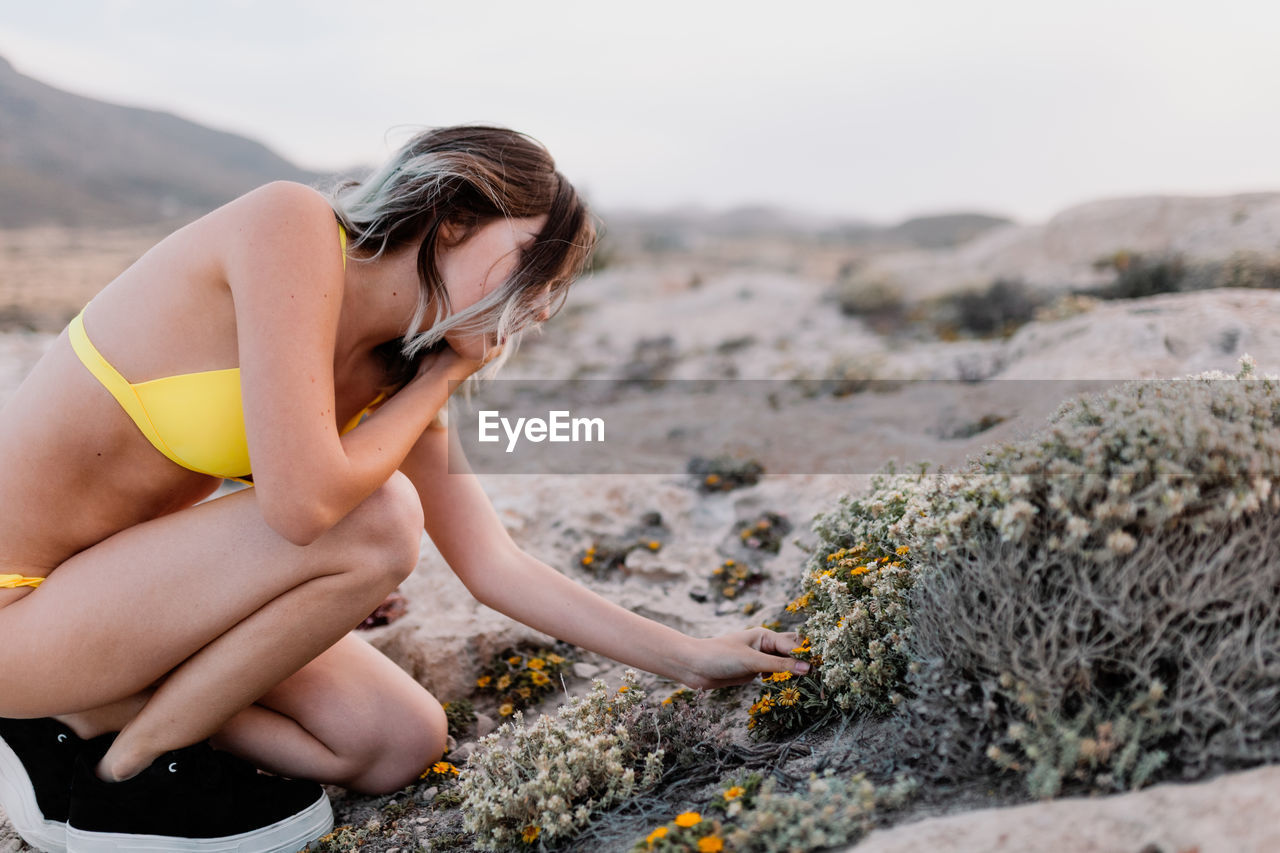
(1234, 813)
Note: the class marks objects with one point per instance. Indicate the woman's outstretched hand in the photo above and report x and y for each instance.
(739, 657)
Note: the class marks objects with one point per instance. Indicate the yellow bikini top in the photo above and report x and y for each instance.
(195, 419)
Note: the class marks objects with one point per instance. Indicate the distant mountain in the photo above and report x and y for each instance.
(685, 227)
(71, 160)
(948, 229)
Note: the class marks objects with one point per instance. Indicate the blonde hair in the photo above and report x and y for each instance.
(466, 177)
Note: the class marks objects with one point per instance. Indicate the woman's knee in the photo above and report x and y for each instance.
(386, 528)
(403, 750)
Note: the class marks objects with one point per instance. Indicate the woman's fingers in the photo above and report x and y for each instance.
(777, 643)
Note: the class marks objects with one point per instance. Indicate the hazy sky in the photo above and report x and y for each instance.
(860, 109)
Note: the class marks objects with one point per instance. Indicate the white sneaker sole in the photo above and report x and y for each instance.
(19, 801)
(286, 836)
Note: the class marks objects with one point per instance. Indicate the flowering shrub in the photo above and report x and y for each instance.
(609, 553)
(544, 781)
(1129, 543)
(788, 704)
(460, 715)
(764, 533)
(760, 819)
(516, 681)
(854, 598)
(724, 473)
(1126, 544)
(731, 578)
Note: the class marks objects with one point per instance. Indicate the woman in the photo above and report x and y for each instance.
(142, 627)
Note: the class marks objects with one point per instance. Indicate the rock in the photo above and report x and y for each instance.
(1169, 335)
(1061, 252)
(485, 725)
(585, 670)
(651, 566)
(1234, 813)
(462, 753)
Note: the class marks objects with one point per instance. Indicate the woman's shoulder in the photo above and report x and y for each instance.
(284, 221)
(281, 204)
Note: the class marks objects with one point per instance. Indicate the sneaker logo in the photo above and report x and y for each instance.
(62, 738)
(173, 768)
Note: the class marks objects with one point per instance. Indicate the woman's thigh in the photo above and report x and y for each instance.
(116, 617)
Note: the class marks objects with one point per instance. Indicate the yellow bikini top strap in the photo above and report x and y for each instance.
(355, 422)
(342, 238)
(118, 386)
(15, 581)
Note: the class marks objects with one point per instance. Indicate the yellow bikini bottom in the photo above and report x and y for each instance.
(15, 581)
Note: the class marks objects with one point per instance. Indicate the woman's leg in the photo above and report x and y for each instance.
(208, 606)
(371, 727)
(351, 717)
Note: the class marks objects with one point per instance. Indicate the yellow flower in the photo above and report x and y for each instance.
(506, 709)
(733, 793)
(729, 591)
(655, 545)
(591, 549)
(717, 571)
(688, 819)
(555, 659)
(524, 692)
(540, 679)
(623, 689)
(861, 570)
(504, 682)
(729, 564)
(587, 560)
(531, 833)
(789, 696)
(712, 479)
(800, 603)
(536, 663)
(779, 676)
(660, 832)
(901, 549)
(443, 767)
(483, 681)
(710, 844)
(802, 648)
(515, 660)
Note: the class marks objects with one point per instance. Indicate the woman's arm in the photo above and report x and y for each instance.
(461, 521)
(287, 282)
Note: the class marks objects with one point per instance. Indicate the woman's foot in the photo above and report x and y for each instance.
(36, 761)
(193, 800)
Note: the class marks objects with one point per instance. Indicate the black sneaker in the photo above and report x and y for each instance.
(194, 799)
(36, 759)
